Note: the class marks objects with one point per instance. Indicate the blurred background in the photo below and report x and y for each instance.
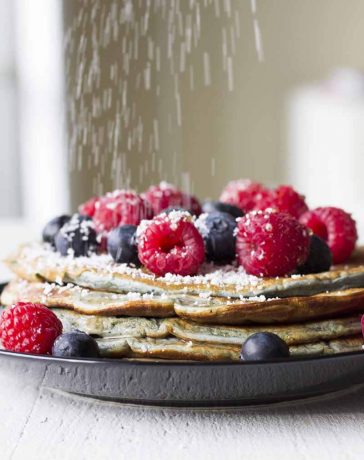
(101, 94)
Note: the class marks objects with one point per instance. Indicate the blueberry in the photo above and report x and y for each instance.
(217, 230)
(264, 346)
(122, 245)
(77, 237)
(52, 228)
(212, 206)
(319, 257)
(75, 344)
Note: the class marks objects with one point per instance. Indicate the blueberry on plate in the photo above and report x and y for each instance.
(53, 227)
(319, 257)
(264, 346)
(77, 237)
(122, 245)
(217, 230)
(212, 206)
(75, 344)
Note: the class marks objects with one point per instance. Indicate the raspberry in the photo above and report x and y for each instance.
(29, 328)
(284, 199)
(171, 244)
(163, 196)
(244, 194)
(192, 204)
(336, 227)
(120, 207)
(88, 208)
(166, 196)
(271, 243)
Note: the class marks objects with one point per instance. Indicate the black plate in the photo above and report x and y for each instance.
(192, 384)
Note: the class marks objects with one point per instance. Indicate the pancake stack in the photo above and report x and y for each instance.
(134, 314)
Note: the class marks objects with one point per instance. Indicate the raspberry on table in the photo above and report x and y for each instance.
(121, 207)
(88, 208)
(284, 199)
(244, 194)
(336, 227)
(271, 243)
(171, 244)
(29, 328)
(165, 195)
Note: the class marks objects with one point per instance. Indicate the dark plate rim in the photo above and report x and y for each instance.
(172, 363)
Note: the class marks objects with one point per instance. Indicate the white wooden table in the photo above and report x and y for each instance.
(39, 423)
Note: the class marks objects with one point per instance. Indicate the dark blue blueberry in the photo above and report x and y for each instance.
(122, 245)
(264, 346)
(52, 228)
(319, 257)
(77, 237)
(217, 230)
(213, 206)
(75, 344)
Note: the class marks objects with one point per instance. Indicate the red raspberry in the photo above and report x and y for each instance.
(271, 243)
(244, 194)
(120, 208)
(336, 227)
(171, 244)
(88, 208)
(29, 328)
(165, 196)
(192, 204)
(284, 199)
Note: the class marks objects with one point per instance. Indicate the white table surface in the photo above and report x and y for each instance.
(39, 423)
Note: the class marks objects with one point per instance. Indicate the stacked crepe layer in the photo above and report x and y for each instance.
(206, 317)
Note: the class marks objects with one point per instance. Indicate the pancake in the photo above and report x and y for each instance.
(87, 301)
(213, 310)
(102, 326)
(174, 338)
(36, 262)
(206, 310)
(172, 348)
(292, 334)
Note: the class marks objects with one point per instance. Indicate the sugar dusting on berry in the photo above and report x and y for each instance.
(173, 218)
(271, 243)
(201, 224)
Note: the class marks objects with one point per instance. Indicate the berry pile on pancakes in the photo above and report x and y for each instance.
(256, 275)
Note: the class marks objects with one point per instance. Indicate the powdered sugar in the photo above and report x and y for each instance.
(201, 225)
